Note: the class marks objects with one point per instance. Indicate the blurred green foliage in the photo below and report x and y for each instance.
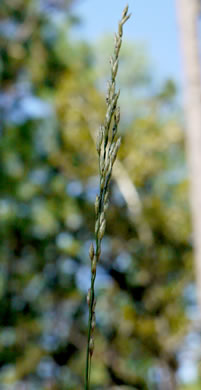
(51, 104)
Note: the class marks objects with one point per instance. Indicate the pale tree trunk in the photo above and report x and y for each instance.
(187, 12)
(169, 377)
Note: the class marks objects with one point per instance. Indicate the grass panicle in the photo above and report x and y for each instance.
(107, 146)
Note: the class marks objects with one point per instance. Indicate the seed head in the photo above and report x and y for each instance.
(97, 226)
(107, 165)
(102, 163)
(112, 148)
(118, 143)
(91, 251)
(107, 147)
(120, 31)
(94, 306)
(102, 183)
(93, 265)
(115, 68)
(97, 204)
(99, 140)
(125, 11)
(102, 230)
(112, 90)
(117, 116)
(124, 20)
(102, 217)
(89, 297)
(115, 150)
(93, 322)
(106, 196)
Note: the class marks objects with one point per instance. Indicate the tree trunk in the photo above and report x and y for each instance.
(187, 11)
(168, 381)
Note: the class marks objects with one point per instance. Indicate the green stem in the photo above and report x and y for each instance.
(87, 370)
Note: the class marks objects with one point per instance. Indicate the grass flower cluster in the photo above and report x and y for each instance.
(107, 146)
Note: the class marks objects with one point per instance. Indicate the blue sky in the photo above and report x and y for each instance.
(153, 22)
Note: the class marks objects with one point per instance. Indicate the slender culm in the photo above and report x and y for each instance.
(107, 146)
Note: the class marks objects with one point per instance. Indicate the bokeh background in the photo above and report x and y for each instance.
(54, 66)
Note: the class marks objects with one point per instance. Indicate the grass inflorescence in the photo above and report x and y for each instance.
(107, 146)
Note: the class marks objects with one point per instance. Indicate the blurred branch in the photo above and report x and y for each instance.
(132, 199)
